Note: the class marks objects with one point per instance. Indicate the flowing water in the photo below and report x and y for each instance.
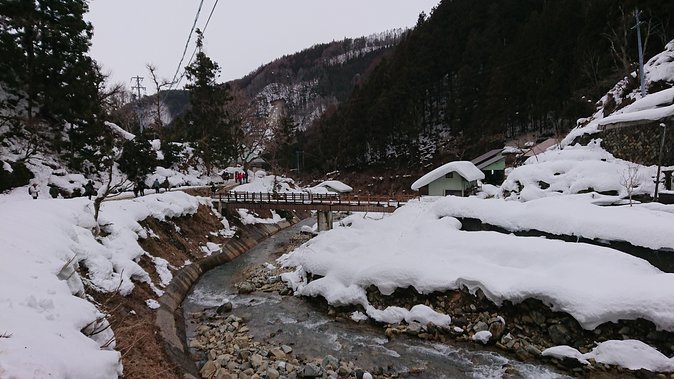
(298, 323)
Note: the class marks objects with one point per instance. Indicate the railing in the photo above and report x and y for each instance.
(311, 198)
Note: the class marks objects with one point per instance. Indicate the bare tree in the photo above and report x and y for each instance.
(158, 103)
(254, 133)
(590, 66)
(617, 38)
(629, 179)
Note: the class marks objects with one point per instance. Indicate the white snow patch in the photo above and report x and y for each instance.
(482, 336)
(630, 354)
(152, 304)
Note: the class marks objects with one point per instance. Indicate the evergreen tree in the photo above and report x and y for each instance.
(44, 46)
(208, 122)
(137, 159)
(172, 153)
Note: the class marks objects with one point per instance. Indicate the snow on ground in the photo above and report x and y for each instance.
(575, 169)
(416, 246)
(574, 215)
(41, 314)
(657, 69)
(192, 177)
(631, 354)
(247, 218)
(482, 336)
(263, 183)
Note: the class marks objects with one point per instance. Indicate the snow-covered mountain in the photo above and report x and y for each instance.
(305, 84)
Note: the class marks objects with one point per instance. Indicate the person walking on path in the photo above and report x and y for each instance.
(245, 173)
(34, 190)
(213, 189)
(166, 184)
(141, 187)
(89, 189)
(155, 185)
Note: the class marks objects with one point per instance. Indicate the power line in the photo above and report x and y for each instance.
(194, 52)
(187, 44)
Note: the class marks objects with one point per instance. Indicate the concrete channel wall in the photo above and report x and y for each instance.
(169, 318)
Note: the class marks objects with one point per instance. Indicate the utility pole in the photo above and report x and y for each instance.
(637, 15)
(138, 87)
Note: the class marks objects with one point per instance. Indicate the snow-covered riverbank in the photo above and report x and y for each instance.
(48, 325)
(422, 247)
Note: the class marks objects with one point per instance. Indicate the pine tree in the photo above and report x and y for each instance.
(44, 46)
(137, 159)
(208, 122)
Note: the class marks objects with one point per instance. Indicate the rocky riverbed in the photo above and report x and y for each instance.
(227, 348)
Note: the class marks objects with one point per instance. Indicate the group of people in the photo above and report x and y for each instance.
(140, 186)
(89, 191)
(241, 177)
(165, 184)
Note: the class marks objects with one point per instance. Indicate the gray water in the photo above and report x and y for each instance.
(295, 322)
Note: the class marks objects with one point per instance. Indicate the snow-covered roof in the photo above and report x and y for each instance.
(331, 185)
(466, 169)
(541, 147)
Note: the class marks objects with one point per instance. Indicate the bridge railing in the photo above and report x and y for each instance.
(312, 198)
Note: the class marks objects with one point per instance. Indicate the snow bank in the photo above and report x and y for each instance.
(574, 169)
(631, 354)
(569, 215)
(416, 246)
(43, 243)
(247, 218)
(268, 184)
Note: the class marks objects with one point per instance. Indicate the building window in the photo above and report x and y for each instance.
(449, 175)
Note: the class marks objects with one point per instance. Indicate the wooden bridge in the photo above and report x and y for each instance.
(325, 204)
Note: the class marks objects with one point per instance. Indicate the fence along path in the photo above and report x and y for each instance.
(309, 201)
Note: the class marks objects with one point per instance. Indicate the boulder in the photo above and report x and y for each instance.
(226, 307)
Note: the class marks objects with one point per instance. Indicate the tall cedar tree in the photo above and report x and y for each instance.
(44, 47)
(208, 123)
(137, 159)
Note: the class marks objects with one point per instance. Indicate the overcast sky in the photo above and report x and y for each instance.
(242, 34)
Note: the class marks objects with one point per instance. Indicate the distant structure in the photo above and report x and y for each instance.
(541, 147)
(492, 164)
(458, 178)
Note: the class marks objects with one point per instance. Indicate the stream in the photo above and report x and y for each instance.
(295, 322)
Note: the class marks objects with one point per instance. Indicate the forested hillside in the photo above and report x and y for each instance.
(475, 73)
(307, 83)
